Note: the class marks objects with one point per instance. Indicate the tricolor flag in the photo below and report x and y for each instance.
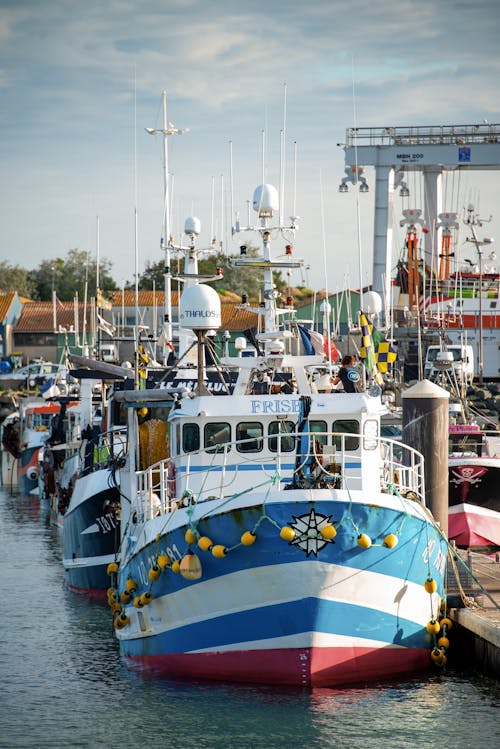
(312, 341)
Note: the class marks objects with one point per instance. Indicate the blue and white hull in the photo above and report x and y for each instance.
(310, 611)
(91, 532)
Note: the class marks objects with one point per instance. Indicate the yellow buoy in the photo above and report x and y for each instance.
(328, 531)
(391, 540)
(126, 597)
(364, 541)
(430, 585)
(176, 567)
(154, 573)
(190, 566)
(146, 598)
(111, 594)
(121, 621)
(190, 536)
(143, 411)
(443, 660)
(205, 543)
(287, 533)
(112, 568)
(433, 627)
(436, 655)
(130, 585)
(116, 607)
(445, 622)
(219, 551)
(248, 538)
(443, 642)
(138, 603)
(163, 561)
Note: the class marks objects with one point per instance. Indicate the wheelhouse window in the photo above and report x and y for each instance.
(319, 428)
(190, 437)
(217, 433)
(251, 432)
(280, 436)
(349, 426)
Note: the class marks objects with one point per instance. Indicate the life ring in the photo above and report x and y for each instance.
(171, 480)
(331, 351)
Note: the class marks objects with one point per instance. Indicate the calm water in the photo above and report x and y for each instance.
(62, 684)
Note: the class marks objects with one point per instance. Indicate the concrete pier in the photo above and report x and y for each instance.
(476, 612)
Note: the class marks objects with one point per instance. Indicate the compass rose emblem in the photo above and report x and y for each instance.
(308, 532)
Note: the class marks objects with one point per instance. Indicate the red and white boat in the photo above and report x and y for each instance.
(474, 487)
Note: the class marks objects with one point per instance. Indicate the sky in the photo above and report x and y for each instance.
(80, 82)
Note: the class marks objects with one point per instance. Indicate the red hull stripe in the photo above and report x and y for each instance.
(311, 667)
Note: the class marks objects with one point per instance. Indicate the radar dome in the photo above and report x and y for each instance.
(266, 200)
(199, 308)
(372, 303)
(192, 226)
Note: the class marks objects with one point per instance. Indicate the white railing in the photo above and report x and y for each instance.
(202, 475)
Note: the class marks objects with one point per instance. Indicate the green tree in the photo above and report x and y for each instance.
(75, 274)
(15, 278)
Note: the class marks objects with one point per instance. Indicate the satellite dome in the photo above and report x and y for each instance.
(199, 308)
(372, 303)
(192, 226)
(266, 200)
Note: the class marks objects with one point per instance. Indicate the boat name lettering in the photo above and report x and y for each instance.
(285, 406)
(107, 522)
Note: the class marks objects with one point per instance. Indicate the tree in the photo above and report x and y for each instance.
(14, 278)
(76, 274)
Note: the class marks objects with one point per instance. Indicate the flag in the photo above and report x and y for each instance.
(385, 355)
(101, 301)
(163, 341)
(49, 389)
(312, 341)
(103, 324)
(367, 348)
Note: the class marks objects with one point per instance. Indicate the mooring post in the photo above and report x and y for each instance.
(425, 428)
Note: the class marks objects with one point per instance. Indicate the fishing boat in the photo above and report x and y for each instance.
(35, 419)
(474, 487)
(85, 481)
(269, 534)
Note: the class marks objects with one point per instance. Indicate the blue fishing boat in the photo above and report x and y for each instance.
(269, 534)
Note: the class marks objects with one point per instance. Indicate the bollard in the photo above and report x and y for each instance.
(425, 428)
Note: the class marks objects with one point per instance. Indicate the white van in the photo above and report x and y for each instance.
(109, 352)
(458, 357)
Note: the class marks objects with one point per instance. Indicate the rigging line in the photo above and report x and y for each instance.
(358, 223)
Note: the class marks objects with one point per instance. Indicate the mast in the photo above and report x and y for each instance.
(166, 239)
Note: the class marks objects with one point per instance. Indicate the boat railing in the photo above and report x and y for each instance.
(185, 479)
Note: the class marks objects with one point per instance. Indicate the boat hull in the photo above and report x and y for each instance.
(310, 611)
(28, 470)
(91, 533)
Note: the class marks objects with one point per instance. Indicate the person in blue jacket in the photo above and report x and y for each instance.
(348, 375)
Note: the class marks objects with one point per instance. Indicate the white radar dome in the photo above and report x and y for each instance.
(266, 200)
(372, 303)
(199, 308)
(192, 226)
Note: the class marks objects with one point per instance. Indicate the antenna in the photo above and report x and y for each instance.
(282, 170)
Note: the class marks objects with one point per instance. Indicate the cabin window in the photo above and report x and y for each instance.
(370, 434)
(280, 439)
(319, 428)
(251, 432)
(190, 438)
(349, 426)
(217, 433)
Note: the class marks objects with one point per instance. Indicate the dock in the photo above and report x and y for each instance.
(474, 606)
